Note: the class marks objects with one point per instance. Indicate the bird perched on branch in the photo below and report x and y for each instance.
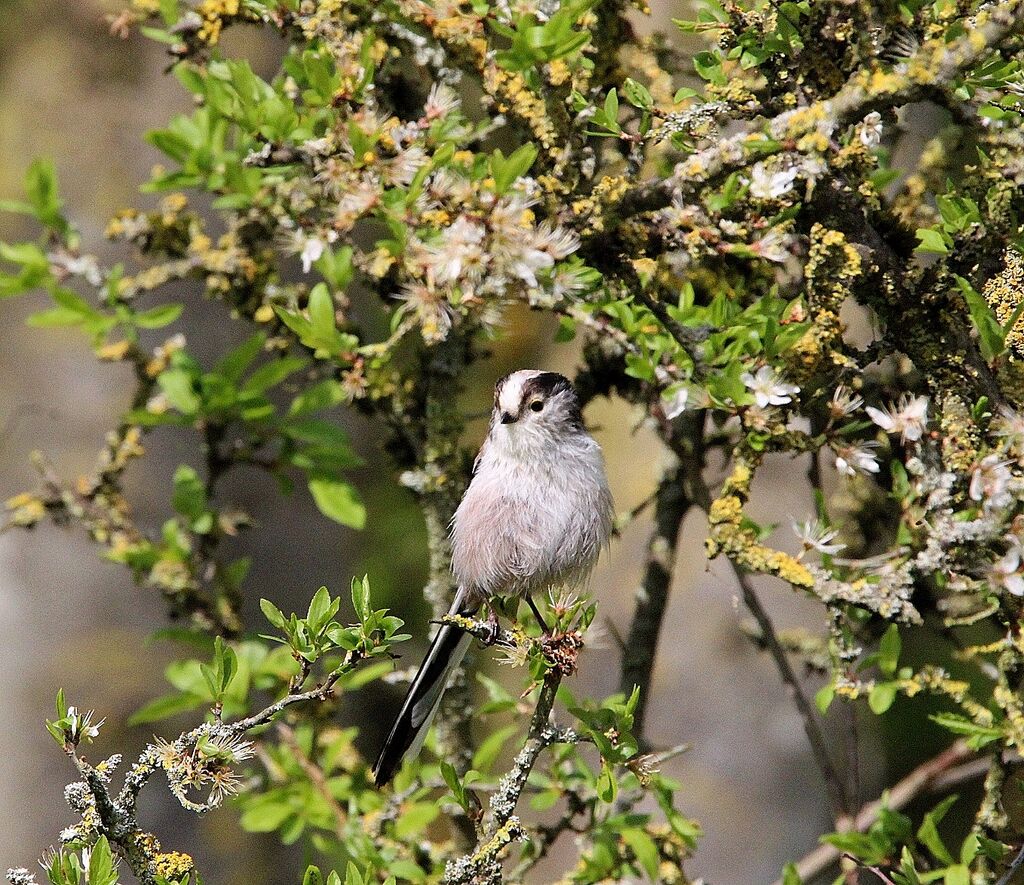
(535, 516)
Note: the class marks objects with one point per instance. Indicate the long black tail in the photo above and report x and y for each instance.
(446, 652)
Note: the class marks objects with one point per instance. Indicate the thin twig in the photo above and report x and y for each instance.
(812, 725)
(1015, 865)
(927, 776)
(317, 778)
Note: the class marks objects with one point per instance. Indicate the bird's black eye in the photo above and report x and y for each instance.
(537, 405)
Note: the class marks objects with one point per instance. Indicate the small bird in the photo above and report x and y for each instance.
(535, 516)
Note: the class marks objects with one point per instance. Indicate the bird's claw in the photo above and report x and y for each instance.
(492, 629)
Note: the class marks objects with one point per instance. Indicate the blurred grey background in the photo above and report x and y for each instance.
(71, 91)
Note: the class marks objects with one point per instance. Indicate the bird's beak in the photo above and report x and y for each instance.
(507, 418)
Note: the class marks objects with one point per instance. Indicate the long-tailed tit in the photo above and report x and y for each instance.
(535, 516)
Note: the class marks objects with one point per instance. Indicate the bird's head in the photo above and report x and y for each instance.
(534, 403)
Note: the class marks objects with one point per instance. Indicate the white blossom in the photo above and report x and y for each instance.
(990, 483)
(908, 418)
(529, 262)
(844, 403)
(1005, 572)
(568, 281)
(309, 247)
(859, 458)
(768, 388)
(460, 252)
(871, 130)
(773, 246)
(675, 403)
(82, 727)
(354, 203)
(558, 242)
(83, 266)
(815, 536)
(431, 309)
(402, 168)
(767, 185)
(1010, 426)
(312, 251)
(812, 168)
(441, 101)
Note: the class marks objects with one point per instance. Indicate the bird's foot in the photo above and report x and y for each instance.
(493, 627)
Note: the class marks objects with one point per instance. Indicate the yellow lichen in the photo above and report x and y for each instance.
(213, 13)
(1004, 293)
(173, 864)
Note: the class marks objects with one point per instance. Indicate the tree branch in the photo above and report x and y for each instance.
(483, 866)
(935, 64)
(812, 725)
(936, 773)
(672, 501)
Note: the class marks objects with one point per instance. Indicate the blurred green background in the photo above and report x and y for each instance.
(71, 91)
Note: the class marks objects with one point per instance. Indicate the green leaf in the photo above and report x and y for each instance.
(451, 779)
(325, 434)
(978, 736)
(366, 674)
(321, 311)
(611, 111)
(931, 241)
(889, 650)
(41, 190)
(265, 813)
(928, 832)
(189, 498)
(273, 373)
(637, 94)
(863, 846)
(991, 337)
(882, 696)
(607, 784)
(322, 395)
(338, 500)
(101, 864)
(709, 67)
(229, 662)
(957, 875)
(645, 849)
(273, 614)
(487, 753)
(321, 610)
(176, 385)
(507, 171)
(361, 598)
(790, 876)
(415, 819)
(234, 364)
(169, 11)
(158, 317)
(823, 698)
